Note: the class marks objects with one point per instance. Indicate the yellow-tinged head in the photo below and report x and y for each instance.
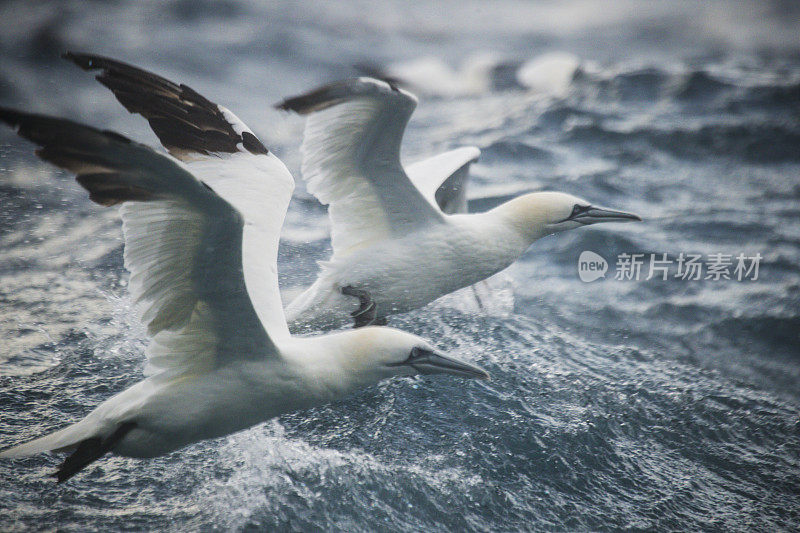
(371, 354)
(542, 213)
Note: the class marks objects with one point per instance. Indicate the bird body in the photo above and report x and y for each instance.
(171, 411)
(411, 271)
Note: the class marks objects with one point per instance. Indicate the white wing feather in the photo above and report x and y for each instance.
(186, 247)
(225, 155)
(260, 188)
(351, 161)
(442, 179)
(203, 276)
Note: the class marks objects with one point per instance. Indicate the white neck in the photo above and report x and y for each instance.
(478, 246)
(525, 216)
(494, 239)
(332, 365)
(509, 228)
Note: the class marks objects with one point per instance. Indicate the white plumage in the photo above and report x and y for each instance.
(201, 240)
(443, 179)
(550, 73)
(400, 237)
(342, 144)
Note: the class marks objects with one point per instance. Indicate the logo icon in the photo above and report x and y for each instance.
(591, 266)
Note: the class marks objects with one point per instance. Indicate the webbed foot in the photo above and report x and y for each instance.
(366, 314)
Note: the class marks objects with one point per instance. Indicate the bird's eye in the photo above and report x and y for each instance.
(415, 352)
(577, 209)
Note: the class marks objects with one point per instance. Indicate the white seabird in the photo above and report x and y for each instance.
(432, 76)
(394, 249)
(550, 73)
(201, 240)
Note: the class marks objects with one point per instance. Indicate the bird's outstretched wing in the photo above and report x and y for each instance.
(443, 178)
(351, 161)
(222, 152)
(189, 259)
(186, 123)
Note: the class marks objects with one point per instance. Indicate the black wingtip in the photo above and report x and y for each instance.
(314, 100)
(287, 104)
(281, 106)
(97, 62)
(337, 92)
(284, 105)
(82, 60)
(92, 61)
(45, 129)
(372, 70)
(184, 120)
(9, 116)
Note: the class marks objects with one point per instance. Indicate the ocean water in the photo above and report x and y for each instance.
(614, 405)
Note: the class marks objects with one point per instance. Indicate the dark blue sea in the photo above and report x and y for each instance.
(615, 405)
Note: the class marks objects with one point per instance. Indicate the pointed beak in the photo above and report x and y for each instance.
(435, 362)
(595, 215)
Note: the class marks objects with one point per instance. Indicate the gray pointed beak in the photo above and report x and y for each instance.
(595, 215)
(436, 362)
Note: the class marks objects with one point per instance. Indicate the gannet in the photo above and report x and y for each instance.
(431, 75)
(201, 240)
(550, 73)
(394, 249)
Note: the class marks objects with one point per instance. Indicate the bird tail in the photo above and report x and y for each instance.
(80, 438)
(62, 440)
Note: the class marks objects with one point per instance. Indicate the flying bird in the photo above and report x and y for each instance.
(201, 232)
(550, 73)
(394, 248)
(432, 76)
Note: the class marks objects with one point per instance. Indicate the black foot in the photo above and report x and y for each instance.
(366, 315)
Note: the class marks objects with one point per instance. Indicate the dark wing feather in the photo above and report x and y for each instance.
(185, 121)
